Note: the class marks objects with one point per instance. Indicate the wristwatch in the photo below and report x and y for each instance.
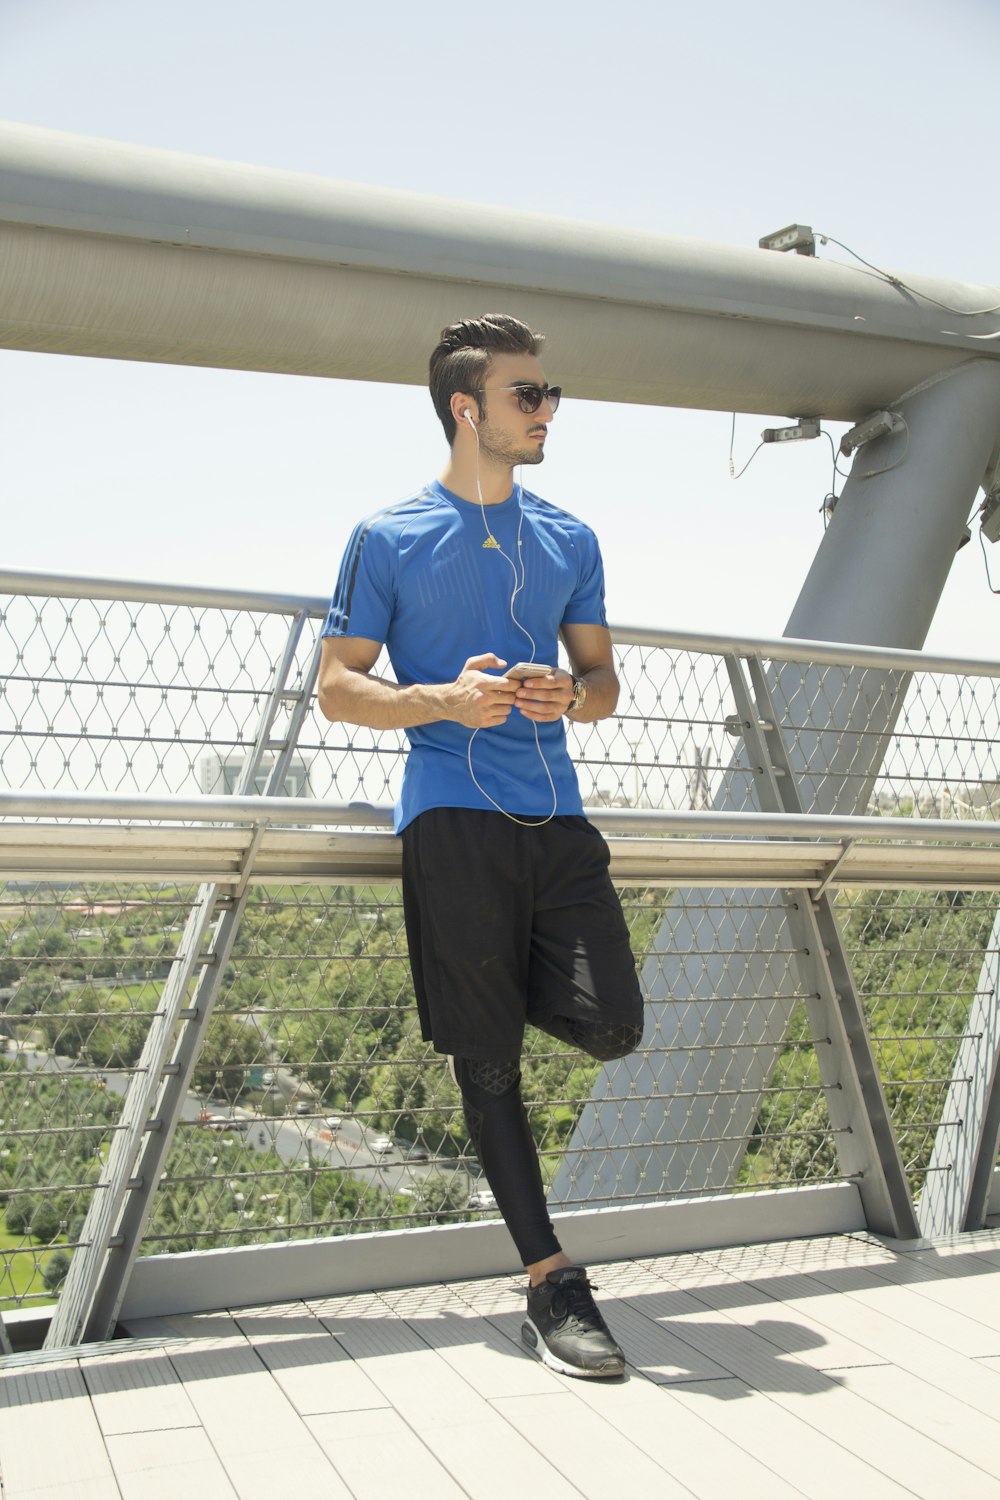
(579, 694)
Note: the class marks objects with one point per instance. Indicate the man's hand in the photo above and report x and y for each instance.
(545, 699)
(479, 700)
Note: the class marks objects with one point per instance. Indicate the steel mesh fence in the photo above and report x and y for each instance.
(316, 1108)
(918, 958)
(122, 695)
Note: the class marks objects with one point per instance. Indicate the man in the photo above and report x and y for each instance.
(511, 918)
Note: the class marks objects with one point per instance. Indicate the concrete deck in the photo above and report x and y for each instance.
(823, 1368)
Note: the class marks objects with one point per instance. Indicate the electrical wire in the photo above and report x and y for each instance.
(732, 440)
(826, 509)
(959, 312)
(886, 468)
(518, 586)
(986, 562)
(833, 450)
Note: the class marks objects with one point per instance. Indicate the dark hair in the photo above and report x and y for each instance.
(462, 359)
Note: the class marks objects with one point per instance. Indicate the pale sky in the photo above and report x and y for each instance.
(872, 120)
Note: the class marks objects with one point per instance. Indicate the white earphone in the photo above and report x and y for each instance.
(518, 586)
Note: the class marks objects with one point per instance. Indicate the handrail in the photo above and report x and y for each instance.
(71, 586)
(785, 648)
(308, 811)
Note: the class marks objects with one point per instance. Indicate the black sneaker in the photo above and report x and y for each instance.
(565, 1329)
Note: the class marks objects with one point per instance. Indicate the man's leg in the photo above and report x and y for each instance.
(499, 1131)
(604, 1041)
(470, 909)
(562, 1324)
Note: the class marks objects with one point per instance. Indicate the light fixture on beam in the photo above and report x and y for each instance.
(805, 427)
(797, 237)
(989, 516)
(879, 424)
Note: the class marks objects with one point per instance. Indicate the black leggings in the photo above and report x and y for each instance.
(498, 1126)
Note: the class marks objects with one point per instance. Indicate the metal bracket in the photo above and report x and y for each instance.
(249, 859)
(831, 873)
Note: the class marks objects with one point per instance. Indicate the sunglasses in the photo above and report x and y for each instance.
(530, 397)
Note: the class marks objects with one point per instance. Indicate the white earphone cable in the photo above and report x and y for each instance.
(518, 586)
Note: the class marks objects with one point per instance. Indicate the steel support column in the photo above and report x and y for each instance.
(876, 580)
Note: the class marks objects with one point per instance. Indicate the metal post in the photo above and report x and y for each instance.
(112, 1232)
(957, 1188)
(876, 580)
(866, 1142)
(986, 1159)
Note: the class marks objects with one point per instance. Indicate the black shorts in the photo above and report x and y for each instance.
(508, 925)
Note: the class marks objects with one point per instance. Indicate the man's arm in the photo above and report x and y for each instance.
(349, 694)
(591, 656)
(545, 699)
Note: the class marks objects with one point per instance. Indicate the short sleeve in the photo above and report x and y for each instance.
(586, 604)
(364, 599)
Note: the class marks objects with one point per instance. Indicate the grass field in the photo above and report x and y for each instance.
(22, 1264)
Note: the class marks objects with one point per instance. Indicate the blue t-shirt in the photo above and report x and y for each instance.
(425, 579)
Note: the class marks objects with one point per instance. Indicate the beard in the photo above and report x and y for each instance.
(501, 450)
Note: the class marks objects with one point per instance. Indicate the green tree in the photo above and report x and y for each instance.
(55, 1272)
(230, 1047)
(19, 1213)
(46, 1221)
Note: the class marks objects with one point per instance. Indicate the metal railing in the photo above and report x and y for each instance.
(138, 687)
(207, 1014)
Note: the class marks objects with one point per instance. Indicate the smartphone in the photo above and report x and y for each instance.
(523, 669)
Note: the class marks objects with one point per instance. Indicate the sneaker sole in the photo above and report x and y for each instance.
(532, 1339)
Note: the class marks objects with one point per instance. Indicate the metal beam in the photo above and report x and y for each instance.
(119, 251)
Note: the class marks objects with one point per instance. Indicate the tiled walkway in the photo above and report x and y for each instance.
(834, 1369)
